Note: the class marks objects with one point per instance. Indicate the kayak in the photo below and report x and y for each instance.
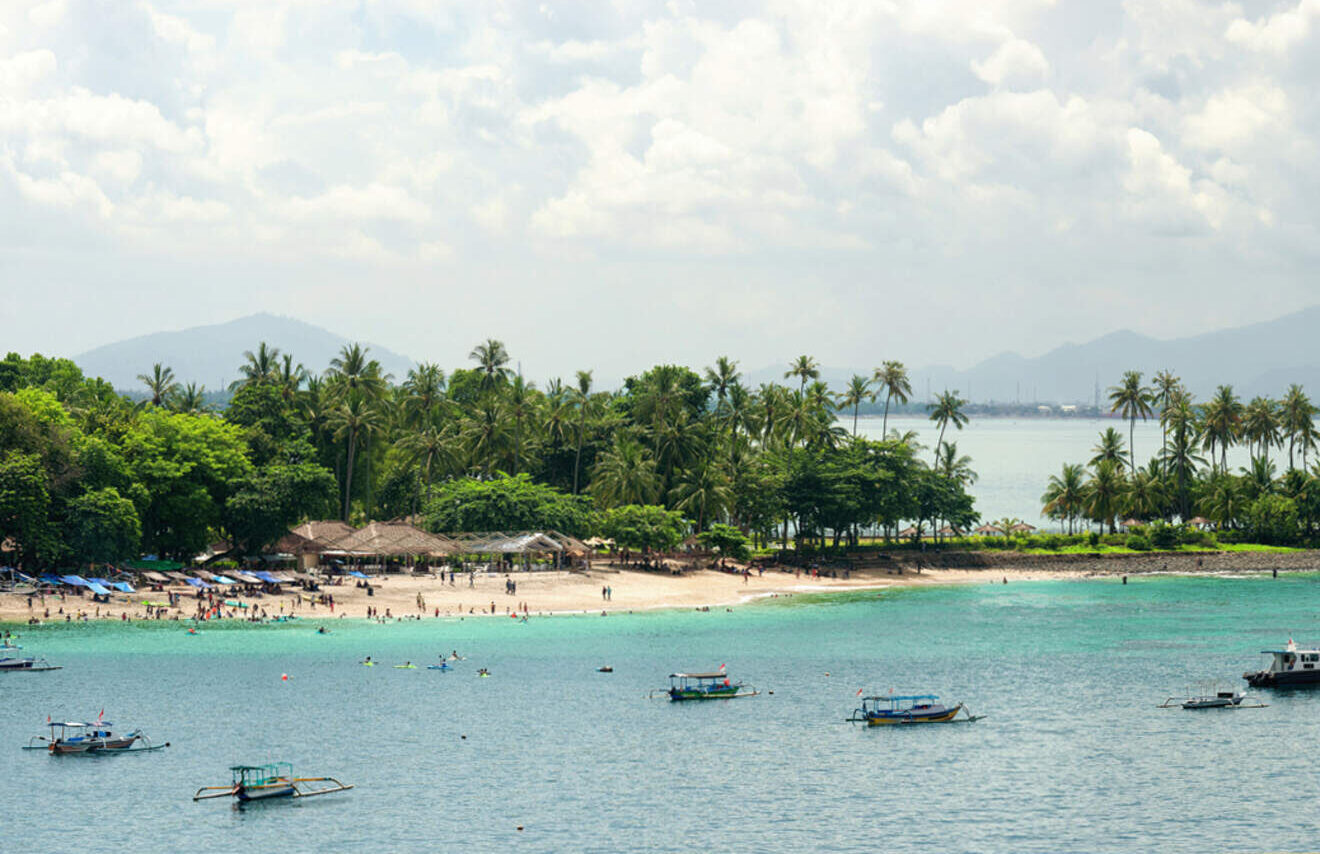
(405, 667)
(438, 667)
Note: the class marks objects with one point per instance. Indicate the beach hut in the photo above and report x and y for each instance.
(988, 530)
(1022, 528)
(908, 533)
(385, 540)
(1200, 522)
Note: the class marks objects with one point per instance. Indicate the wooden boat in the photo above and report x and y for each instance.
(73, 737)
(268, 782)
(1289, 667)
(704, 686)
(885, 709)
(26, 664)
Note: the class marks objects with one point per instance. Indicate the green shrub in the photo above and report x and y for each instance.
(1138, 543)
(1052, 541)
(1163, 536)
(1093, 539)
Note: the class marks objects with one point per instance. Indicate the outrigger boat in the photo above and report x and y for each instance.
(266, 782)
(68, 737)
(1290, 667)
(704, 686)
(28, 664)
(1212, 700)
(884, 709)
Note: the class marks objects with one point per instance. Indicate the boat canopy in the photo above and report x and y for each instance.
(75, 580)
(72, 724)
(123, 586)
(265, 576)
(697, 675)
(906, 697)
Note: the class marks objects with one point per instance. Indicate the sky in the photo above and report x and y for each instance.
(613, 185)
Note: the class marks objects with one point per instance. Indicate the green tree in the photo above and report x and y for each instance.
(265, 505)
(1103, 499)
(103, 527)
(1273, 519)
(258, 368)
(508, 503)
(24, 508)
(492, 360)
(1109, 448)
(1260, 426)
(1298, 421)
(893, 378)
(1065, 496)
(727, 540)
(858, 392)
(804, 368)
(644, 527)
(1221, 423)
(1131, 399)
(625, 474)
(947, 409)
(160, 382)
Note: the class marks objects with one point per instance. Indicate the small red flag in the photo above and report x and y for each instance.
(721, 668)
(98, 717)
(859, 692)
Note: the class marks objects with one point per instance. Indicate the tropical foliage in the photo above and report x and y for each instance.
(87, 475)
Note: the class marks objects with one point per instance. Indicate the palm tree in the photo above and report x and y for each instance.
(1258, 479)
(1132, 399)
(1221, 423)
(259, 368)
(1104, 494)
(582, 401)
(893, 378)
(428, 447)
(953, 466)
(491, 358)
(946, 410)
(190, 400)
(1260, 425)
(160, 382)
(486, 435)
(1180, 456)
(1223, 502)
(859, 390)
(290, 378)
(1144, 496)
(1298, 420)
(704, 491)
(1164, 385)
(625, 474)
(721, 378)
(355, 416)
(424, 391)
(351, 372)
(1109, 448)
(1064, 496)
(520, 409)
(804, 368)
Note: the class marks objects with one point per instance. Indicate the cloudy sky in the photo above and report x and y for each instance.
(612, 185)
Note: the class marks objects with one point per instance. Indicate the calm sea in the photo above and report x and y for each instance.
(1015, 457)
(1073, 755)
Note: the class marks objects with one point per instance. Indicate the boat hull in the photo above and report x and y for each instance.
(1282, 678)
(264, 793)
(718, 694)
(933, 716)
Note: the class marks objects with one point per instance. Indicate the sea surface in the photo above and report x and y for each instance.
(1073, 754)
(1014, 458)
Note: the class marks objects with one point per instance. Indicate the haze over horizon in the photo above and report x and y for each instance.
(929, 180)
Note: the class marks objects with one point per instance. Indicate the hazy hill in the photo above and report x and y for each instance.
(211, 355)
(1263, 358)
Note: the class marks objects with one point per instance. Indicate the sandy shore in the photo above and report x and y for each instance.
(546, 593)
(539, 593)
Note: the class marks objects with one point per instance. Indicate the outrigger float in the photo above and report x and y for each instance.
(267, 782)
(884, 709)
(72, 737)
(703, 686)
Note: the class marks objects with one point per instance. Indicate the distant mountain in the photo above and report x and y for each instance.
(1263, 358)
(211, 355)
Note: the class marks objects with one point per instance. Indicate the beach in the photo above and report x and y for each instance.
(618, 589)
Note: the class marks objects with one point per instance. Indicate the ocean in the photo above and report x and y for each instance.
(1072, 754)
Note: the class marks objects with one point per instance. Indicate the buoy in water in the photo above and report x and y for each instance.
(284, 677)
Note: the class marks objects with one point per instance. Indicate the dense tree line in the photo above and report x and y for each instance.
(1188, 475)
(86, 475)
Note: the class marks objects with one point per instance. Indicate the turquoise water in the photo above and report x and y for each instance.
(1072, 755)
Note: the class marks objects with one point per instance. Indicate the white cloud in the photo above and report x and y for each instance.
(120, 167)
(1278, 33)
(21, 72)
(1016, 62)
(1236, 116)
(1162, 192)
(358, 204)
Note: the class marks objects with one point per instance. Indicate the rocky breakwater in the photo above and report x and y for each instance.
(1100, 564)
